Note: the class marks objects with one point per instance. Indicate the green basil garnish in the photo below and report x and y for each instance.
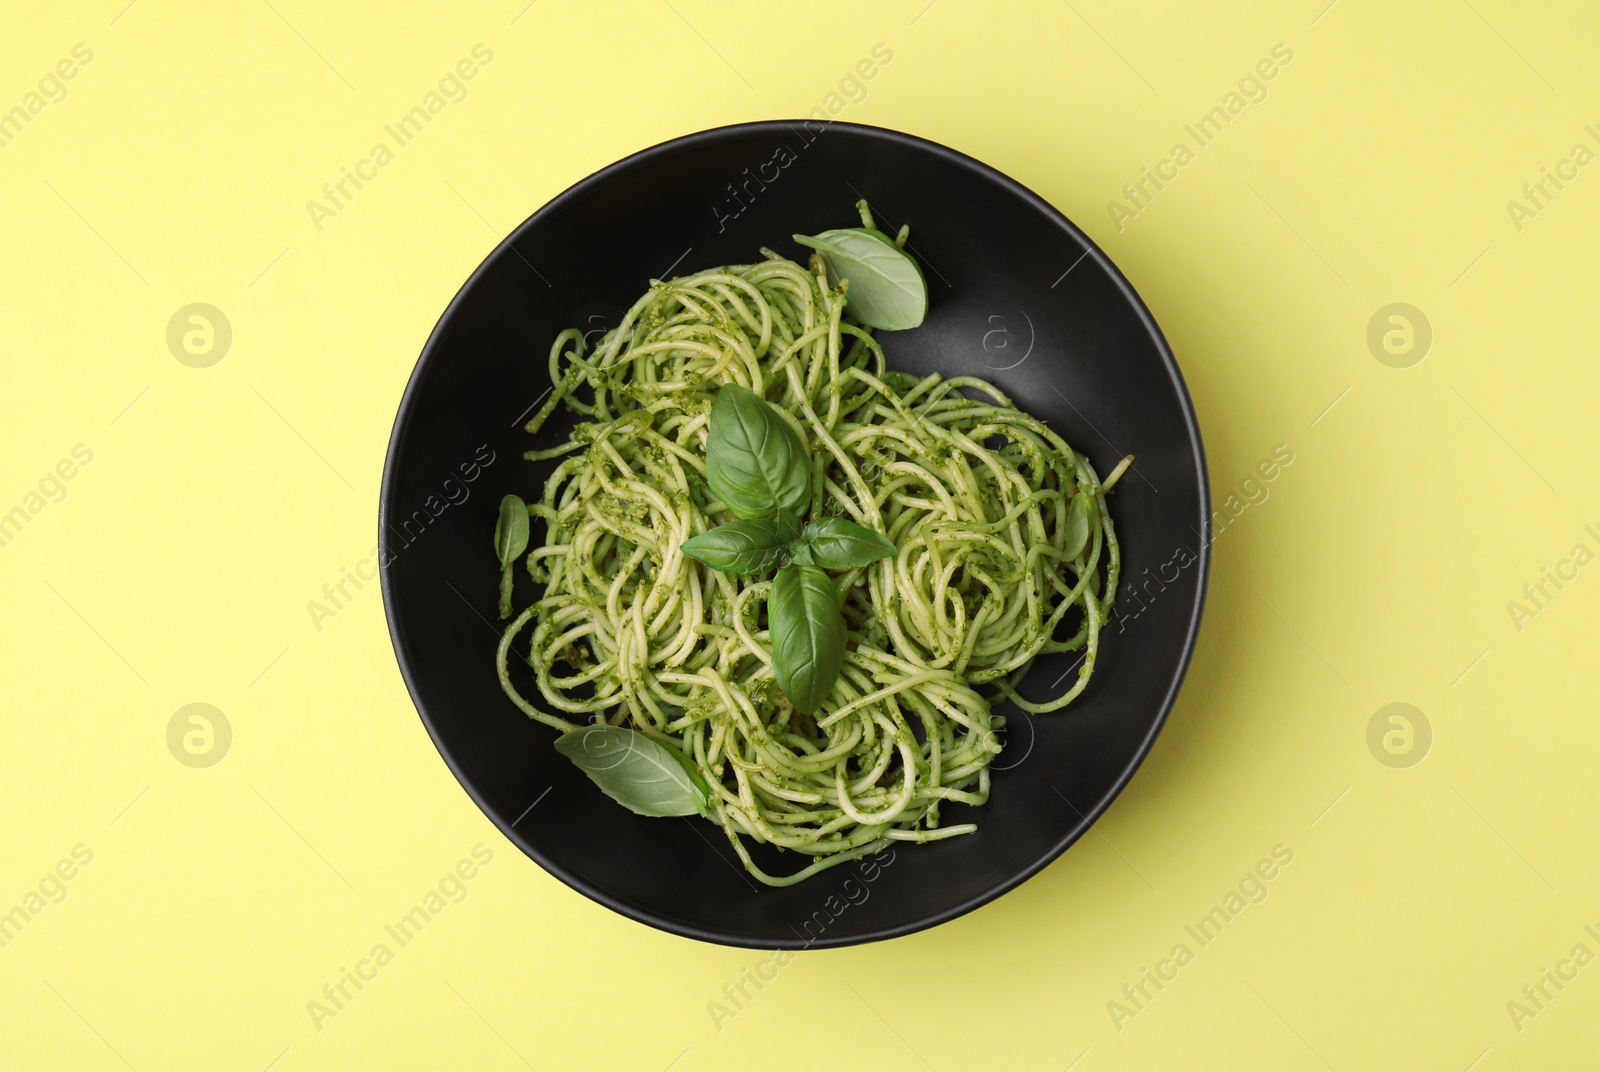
(807, 633)
(1075, 534)
(755, 462)
(510, 541)
(758, 468)
(887, 289)
(753, 546)
(838, 543)
(639, 772)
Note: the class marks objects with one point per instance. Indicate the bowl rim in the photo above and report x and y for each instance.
(642, 157)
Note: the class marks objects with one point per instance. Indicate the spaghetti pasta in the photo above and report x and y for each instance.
(1006, 551)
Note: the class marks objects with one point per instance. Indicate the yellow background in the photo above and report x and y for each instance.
(219, 501)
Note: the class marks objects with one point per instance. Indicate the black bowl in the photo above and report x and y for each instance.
(1019, 296)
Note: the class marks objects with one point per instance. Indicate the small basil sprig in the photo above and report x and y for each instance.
(644, 775)
(837, 543)
(761, 544)
(510, 540)
(887, 289)
(753, 546)
(756, 472)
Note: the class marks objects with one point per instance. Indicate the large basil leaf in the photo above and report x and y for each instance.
(753, 546)
(1075, 535)
(886, 287)
(838, 543)
(639, 772)
(754, 460)
(807, 633)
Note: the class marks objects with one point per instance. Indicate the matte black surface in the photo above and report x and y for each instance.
(1019, 296)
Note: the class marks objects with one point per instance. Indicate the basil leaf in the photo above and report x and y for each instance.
(753, 546)
(692, 771)
(754, 460)
(886, 287)
(873, 232)
(1076, 533)
(510, 540)
(838, 543)
(807, 633)
(511, 530)
(638, 772)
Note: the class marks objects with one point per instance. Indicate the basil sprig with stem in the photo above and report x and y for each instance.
(837, 543)
(758, 468)
(510, 541)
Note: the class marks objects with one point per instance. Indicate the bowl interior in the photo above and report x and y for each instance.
(1018, 296)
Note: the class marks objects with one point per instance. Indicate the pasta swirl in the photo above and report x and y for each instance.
(1006, 551)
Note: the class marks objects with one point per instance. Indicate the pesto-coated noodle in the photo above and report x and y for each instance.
(1005, 551)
